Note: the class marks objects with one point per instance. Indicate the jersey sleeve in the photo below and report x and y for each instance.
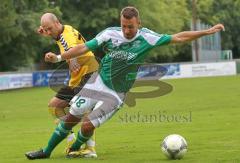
(156, 39)
(92, 44)
(98, 40)
(164, 39)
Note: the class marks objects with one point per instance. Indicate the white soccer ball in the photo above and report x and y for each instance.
(174, 146)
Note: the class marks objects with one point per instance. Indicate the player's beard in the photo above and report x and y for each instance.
(130, 36)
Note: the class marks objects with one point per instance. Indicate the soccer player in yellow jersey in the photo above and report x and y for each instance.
(80, 68)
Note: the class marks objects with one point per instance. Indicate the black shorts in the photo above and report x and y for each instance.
(67, 93)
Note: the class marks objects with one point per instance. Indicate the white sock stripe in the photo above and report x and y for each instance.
(62, 129)
(80, 133)
(80, 140)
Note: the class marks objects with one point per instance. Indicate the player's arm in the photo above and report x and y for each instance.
(75, 51)
(71, 37)
(79, 49)
(193, 35)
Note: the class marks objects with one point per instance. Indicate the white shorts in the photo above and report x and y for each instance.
(96, 100)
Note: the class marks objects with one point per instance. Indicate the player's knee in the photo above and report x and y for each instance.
(51, 111)
(58, 103)
(56, 107)
(71, 120)
(56, 112)
(87, 127)
(52, 103)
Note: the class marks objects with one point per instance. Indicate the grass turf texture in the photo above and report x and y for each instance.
(208, 117)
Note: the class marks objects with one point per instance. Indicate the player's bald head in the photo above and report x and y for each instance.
(51, 25)
(48, 17)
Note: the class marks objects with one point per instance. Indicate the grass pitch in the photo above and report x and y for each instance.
(203, 110)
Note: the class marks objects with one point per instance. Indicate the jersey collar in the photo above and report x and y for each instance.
(63, 27)
(129, 40)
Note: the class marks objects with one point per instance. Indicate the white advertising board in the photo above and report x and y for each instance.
(11, 81)
(208, 69)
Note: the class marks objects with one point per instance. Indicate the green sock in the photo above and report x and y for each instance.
(80, 141)
(59, 134)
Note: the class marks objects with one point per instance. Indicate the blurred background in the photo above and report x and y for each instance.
(212, 102)
(22, 49)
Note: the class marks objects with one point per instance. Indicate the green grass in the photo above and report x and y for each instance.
(208, 117)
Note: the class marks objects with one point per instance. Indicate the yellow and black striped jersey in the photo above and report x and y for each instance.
(69, 38)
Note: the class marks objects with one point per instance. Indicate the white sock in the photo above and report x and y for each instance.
(90, 143)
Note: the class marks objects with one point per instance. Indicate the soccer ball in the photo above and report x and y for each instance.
(174, 146)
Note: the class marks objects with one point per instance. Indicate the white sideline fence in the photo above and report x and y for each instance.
(13, 80)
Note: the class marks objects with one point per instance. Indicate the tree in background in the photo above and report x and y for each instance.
(226, 12)
(91, 17)
(20, 45)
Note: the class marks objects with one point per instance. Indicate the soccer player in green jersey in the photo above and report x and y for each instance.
(102, 96)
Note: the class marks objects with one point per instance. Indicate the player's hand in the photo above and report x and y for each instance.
(74, 66)
(51, 57)
(216, 28)
(41, 31)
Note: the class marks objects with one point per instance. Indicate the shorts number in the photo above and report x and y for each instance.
(79, 102)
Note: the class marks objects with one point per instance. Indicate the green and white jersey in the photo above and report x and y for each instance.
(119, 66)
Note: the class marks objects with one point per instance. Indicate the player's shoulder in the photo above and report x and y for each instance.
(147, 31)
(69, 28)
(150, 36)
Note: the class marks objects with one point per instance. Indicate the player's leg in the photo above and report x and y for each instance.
(60, 133)
(58, 108)
(104, 109)
(81, 106)
(86, 132)
(61, 101)
(89, 151)
(90, 145)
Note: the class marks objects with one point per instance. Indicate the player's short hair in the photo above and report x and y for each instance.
(129, 12)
